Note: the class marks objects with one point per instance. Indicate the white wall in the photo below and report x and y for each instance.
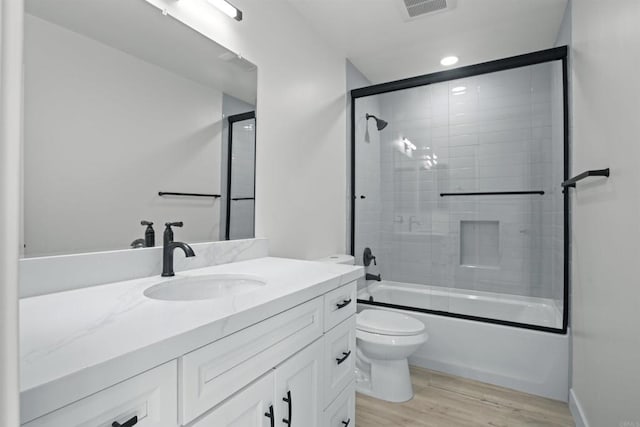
(605, 252)
(301, 169)
(104, 132)
(10, 172)
(355, 79)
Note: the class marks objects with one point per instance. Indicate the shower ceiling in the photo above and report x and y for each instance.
(376, 37)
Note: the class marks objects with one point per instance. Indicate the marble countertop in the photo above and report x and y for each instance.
(77, 342)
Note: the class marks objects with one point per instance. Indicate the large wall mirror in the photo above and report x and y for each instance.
(123, 103)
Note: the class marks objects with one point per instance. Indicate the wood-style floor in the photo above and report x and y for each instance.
(443, 400)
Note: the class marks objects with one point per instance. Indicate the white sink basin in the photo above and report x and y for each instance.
(192, 288)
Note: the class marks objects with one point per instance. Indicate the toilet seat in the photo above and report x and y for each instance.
(391, 340)
(384, 322)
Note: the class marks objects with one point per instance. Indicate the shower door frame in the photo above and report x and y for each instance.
(231, 120)
(520, 61)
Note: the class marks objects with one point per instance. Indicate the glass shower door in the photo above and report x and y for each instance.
(457, 193)
(241, 177)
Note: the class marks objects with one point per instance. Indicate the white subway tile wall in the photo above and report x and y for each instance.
(495, 132)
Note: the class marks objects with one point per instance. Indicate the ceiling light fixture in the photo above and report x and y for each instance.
(446, 61)
(227, 8)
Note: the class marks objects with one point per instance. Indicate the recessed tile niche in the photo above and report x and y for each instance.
(480, 243)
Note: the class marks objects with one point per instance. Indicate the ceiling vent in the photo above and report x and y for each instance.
(412, 9)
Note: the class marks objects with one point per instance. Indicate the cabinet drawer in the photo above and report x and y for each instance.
(216, 371)
(151, 396)
(339, 304)
(342, 412)
(339, 358)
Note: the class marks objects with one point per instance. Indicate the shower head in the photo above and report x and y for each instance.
(380, 124)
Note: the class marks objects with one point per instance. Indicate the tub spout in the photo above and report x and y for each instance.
(370, 276)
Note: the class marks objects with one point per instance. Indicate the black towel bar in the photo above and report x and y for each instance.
(165, 193)
(596, 172)
(492, 193)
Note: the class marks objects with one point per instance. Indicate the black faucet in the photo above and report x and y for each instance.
(170, 246)
(370, 276)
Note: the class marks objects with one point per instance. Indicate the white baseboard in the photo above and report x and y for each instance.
(576, 410)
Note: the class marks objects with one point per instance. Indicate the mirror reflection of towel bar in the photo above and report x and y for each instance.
(165, 193)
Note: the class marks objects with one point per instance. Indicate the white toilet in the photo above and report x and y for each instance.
(385, 340)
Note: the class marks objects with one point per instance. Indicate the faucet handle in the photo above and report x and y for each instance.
(174, 224)
(144, 222)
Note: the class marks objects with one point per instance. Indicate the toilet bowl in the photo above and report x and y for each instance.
(384, 341)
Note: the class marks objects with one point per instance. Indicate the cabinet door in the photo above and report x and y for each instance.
(339, 358)
(298, 388)
(250, 407)
(342, 412)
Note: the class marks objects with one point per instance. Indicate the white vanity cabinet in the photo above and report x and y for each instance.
(313, 387)
(293, 369)
(216, 371)
(289, 395)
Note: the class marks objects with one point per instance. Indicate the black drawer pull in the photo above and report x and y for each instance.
(344, 303)
(270, 415)
(133, 421)
(344, 357)
(346, 423)
(288, 400)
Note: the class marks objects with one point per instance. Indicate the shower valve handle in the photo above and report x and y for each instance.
(367, 257)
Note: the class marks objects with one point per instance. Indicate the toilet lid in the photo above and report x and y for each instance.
(388, 323)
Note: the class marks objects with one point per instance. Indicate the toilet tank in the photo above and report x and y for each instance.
(339, 259)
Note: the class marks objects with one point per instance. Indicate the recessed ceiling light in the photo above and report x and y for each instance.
(449, 60)
(459, 89)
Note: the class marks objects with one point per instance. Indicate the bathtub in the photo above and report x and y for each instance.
(531, 361)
